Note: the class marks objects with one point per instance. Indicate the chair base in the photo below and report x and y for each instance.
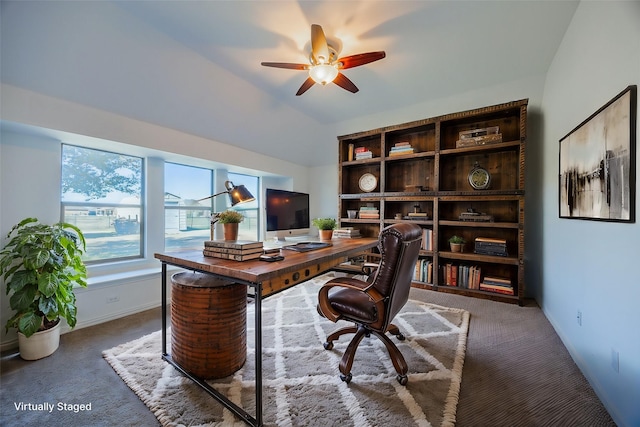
(360, 332)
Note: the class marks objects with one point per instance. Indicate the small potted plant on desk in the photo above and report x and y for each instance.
(40, 266)
(456, 243)
(230, 220)
(325, 227)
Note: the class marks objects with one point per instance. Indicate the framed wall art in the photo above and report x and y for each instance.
(598, 163)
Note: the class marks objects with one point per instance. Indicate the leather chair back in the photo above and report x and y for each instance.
(399, 248)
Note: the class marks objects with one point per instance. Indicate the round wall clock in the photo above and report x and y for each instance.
(479, 177)
(368, 182)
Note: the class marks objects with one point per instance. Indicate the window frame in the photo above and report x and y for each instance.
(88, 204)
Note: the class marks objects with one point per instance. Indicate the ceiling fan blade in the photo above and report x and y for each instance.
(360, 59)
(342, 81)
(305, 86)
(287, 65)
(319, 46)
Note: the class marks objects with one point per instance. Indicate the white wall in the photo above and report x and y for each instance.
(590, 266)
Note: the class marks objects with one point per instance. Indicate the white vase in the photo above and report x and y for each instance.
(39, 345)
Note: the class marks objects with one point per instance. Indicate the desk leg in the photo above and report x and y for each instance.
(164, 309)
(258, 351)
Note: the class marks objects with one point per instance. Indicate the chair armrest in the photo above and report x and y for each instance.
(349, 283)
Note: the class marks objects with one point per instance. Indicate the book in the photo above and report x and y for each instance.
(233, 244)
(233, 251)
(490, 240)
(234, 257)
(347, 232)
(423, 271)
(427, 239)
(496, 281)
(507, 290)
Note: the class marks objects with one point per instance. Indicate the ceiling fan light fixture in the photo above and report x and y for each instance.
(323, 73)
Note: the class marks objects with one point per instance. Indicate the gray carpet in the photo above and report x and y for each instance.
(516, 373)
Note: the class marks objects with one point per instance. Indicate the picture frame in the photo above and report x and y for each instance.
(597, 163)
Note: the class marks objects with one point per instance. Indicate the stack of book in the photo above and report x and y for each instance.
(488, 246)
(237, 250)
(401, 148)
(488, 135)
(369, 212)
(497, 284)
(417, 216)
(346, 233)
(363, 153)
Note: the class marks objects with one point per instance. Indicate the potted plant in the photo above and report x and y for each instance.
(40, 266)
(456, 243)
(325, 227)
(230, 220)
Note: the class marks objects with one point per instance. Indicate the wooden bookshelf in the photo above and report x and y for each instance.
(421, 166)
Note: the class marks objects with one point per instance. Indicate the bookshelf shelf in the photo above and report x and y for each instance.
(423, 167)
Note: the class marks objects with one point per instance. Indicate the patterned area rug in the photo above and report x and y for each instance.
(301, 385)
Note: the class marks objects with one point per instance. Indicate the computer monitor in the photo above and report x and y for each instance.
(287, 214)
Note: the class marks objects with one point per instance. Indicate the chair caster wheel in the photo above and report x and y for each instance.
(346, 378)
(402, 379)
(401, 337)
(328, 345)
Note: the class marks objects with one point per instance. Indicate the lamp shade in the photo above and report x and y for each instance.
(238, 193)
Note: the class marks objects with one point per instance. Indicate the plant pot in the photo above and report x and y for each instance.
(325, 234)
(39, 345)
(456, 247)
(231, 231)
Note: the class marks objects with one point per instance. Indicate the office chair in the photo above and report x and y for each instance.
(372, 305)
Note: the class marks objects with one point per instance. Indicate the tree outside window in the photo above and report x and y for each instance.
(101, 193)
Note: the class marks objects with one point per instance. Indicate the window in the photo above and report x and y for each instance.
(101, 194)
(249, 228)
(186, 221)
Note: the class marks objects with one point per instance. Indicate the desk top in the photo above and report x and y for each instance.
(256, 271)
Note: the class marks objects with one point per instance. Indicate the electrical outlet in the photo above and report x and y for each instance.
(615, 360)
(112, 299)
(579, 318)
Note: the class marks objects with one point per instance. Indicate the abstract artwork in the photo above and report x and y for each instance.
(597, 163)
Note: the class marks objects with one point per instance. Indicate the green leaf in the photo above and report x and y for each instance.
(70, 315)
(21, 279)
(36, 258)
(29, 323)
(49, 307)
(47, 284)
(21, 301)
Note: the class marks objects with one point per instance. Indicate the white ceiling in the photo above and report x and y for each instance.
(195, 65)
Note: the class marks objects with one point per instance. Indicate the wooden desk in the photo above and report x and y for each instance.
(265, 278)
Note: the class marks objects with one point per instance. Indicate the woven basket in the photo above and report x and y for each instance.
(208, 324)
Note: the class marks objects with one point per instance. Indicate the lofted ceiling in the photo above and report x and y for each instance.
(195, 66)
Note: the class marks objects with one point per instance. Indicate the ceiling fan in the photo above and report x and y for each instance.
(324, 65)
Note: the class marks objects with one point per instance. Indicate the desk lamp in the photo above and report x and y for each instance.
(237, 194)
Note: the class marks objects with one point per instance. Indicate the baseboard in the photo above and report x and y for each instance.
(13, 344)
